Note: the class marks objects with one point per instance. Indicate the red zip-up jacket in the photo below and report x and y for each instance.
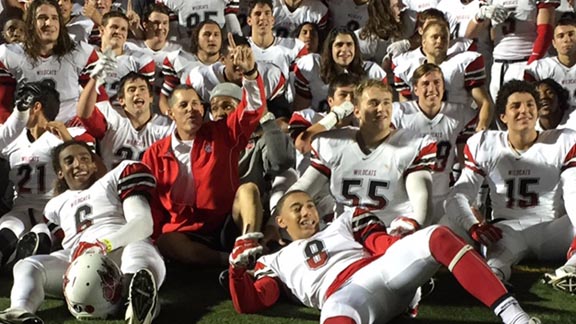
(214, 161)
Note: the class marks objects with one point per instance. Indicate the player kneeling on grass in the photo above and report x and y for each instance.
(109, 216)
(354, 271)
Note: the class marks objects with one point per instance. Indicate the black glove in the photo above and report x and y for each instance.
(29, 93)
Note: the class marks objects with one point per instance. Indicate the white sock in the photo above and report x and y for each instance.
(511, 312)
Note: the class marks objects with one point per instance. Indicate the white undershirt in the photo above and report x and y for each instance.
(183, 192)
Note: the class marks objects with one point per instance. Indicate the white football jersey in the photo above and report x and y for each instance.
(31, 168)
(459, 14)
(158, 57)
(282, 53)
(462, 72)
(204, 78)
(175, 68)
(522, 185)
(347, 13)
(514, 38)
(567, 121)
(91, 214)
(372, 48)
(373, 181)
(67, 72)
(453, 124)
(130, 61)
(309, 84)
(412, 8)
(550, 67)
(286, 21)
(79, 28)
(122, 141)
(192, 12)
(308, 267)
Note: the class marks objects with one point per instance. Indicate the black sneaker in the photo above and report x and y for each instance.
(142, 299)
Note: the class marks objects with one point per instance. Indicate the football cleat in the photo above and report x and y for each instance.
(19, 316)
(534, 320)
(564, 278)
(142, 298)
(27, 246)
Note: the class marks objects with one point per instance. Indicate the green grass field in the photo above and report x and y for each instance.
(194, 296)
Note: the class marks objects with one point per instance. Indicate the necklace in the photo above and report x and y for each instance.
(519, 152)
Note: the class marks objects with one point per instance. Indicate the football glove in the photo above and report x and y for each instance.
(246, 249)
(90, 247)
(28, 93)
(485, 233)
(343, 110)
(105, 65)
(496, 13)
(402, 226)
(397, 48)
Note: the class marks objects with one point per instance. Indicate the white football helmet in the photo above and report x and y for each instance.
(93, 287)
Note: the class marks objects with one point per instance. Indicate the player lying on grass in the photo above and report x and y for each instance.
(354, 271)
(108, 215)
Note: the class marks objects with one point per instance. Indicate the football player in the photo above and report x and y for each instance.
(315, 71)
(375, 36)
(193, 12)
(448, 124)
(47, 52)
(288, 14)
(464, 74)
(531, 179)
(356, 272)
(156, 44)
(375, 166)
(308, 33)
(121, 137)
(204, 78)
(31, 173)
(554, 109)
(307, 123)
(268, 48)
(562, 66)
(108, 215)
(459, 13)
(13, 29)
(206, 46)
(114, 31)
(79, 26)
(522, 32)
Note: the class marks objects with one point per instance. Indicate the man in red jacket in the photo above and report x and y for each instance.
(197, 172)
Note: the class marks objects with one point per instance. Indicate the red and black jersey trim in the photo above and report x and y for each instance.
(136, 179)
